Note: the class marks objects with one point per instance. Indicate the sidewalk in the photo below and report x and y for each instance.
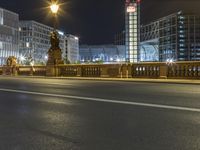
(169, 81)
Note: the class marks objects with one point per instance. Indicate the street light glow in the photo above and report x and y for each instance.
(22, 58)
(46, 57)
(170, 61)
(76, 38)
(54, 8)
(60, 32)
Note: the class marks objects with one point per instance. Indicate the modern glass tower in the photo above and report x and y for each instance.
(132, 29)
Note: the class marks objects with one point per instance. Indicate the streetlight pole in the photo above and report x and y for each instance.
(54, 9)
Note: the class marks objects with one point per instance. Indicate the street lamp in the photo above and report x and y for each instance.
(54, 7)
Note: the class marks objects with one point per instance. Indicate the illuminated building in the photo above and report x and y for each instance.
(104, 53)
(71, 48)
(9, 36)
(35, 41)
(132, 29)
(175, 37)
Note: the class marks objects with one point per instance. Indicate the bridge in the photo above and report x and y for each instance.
(154, 70)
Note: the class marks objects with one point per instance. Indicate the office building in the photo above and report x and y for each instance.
(71, 52)
(175, 37)
(132, 29)
(9, 36)
(35, 41)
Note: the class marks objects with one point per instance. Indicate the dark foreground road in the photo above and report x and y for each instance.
(52, 114)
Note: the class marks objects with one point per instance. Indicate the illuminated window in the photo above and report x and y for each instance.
(27, 44)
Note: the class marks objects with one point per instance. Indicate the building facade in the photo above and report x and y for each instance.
(132, 29)
(175, 37)
(71, 52)
(9, 35)
(35, 41)
(102, 53)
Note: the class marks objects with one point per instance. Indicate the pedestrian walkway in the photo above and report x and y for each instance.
(175, 81)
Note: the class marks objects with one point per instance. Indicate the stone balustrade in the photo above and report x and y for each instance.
(184, 70)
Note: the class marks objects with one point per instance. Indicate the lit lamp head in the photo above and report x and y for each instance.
(54, 7)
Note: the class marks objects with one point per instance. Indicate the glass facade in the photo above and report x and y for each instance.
(188, 37)
(9, 35)
(149, 52)
(35, 41)
(177, 37)
(104, 53)
(168, 38)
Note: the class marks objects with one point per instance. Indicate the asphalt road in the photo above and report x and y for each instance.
(53, 114)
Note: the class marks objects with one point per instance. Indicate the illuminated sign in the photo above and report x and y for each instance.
(131, 9)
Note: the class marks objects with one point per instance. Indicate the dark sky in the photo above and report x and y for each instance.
(96, 21)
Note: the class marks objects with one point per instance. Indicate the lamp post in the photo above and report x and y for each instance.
(54, 7)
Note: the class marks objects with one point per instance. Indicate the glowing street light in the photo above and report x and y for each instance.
(46, 57)
(22, 58)
(170, 61)
(54, 7)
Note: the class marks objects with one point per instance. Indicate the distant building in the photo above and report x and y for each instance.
(35, 41)
(174, 37)
(132, 29)
(9, 36)
(104, 53)
(71, 48)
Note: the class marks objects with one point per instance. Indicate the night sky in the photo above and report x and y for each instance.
(96, 21)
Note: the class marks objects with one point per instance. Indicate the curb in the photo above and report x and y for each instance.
(167, 81)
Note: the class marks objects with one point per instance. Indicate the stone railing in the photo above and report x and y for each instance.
(23, 70)
(89, 70)
(184, 70)
(150, 70)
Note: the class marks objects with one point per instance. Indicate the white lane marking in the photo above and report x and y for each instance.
(37, 82)
(53, 83)
(105, 100)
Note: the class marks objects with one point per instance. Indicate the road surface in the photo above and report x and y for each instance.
(60, 114)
